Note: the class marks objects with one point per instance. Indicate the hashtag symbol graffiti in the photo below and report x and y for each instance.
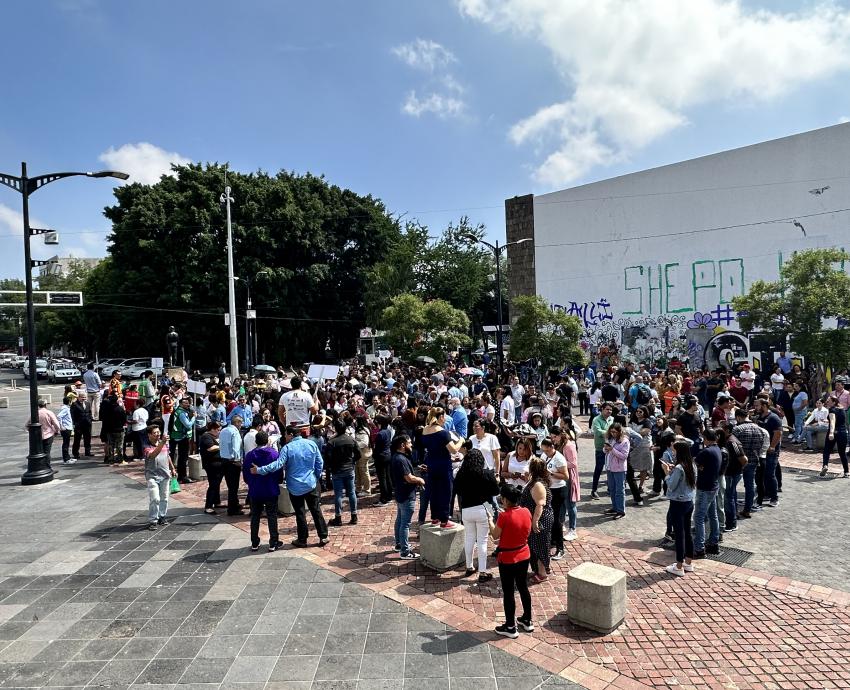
(723, 315)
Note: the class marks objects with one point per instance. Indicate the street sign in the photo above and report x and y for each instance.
(251, 314)
(65, 299)
(156, 363)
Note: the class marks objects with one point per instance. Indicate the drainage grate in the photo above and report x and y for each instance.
(728, 554)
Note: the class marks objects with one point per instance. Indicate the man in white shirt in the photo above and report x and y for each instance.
(748, 379)
(507, 410)
(818, 420)
(296, 406)
(517, 391)
(138, 427)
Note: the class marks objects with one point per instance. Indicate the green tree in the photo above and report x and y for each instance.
(543, 334)
(12, 318)
(312, 244)
(812, 289)
(414, 327)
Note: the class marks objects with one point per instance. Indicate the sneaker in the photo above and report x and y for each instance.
(469, 572)
(674, 569)
(639, 503)
(559, 554)
(698, 555)
(712, 549)
(653, 494)
(594, 495)
(823, 471)
(299, 544)
(353, 520)
(484, 577)
(162, 521)
(71, 461)
(773, 503)
(382, 503)
(409, 556)
(667, 539)
(506, 630)
(731, 529)
(152, 526)
(324, 541)
(525, 624)
(846, 475)
(255, 548)
(609, 511)
(435, 522)
(362, 494)
(276, 546)
(617, 516)
(571, 535)
(335, 522)
(448, 524)
(756, 509)
(744, 515)
(688, 567)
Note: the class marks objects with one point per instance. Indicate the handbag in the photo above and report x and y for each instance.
(174, 486)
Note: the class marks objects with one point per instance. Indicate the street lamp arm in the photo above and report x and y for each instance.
(36, 183)
(473, 238)
(12, 182)
(516, 242)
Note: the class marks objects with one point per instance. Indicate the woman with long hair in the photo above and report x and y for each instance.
(681, 487)
(564, 439)
(617, 447)
(439, 448)
(515, 466)
(537, 498)
(836, 434)
(475, 486)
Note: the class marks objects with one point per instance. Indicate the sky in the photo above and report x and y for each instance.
(441, 108)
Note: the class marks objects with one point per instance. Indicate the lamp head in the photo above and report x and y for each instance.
(109, 173)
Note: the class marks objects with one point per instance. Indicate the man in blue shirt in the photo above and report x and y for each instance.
(302, 465)
(784, 363)
(242, 409)
(231, 453)
(459, 418)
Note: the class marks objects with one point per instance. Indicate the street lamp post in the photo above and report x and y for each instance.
(250, 343)
(497, 252)
(38, 469)
(226, 199)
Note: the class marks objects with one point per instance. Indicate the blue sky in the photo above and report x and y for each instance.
(440, 108)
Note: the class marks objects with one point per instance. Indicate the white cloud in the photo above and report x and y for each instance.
(12, 222)
(442, 94)
(635, 69)
(428, 56)
(843, 119)
(437, 104)
(144, 162)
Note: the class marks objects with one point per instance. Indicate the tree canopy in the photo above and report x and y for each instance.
(414, 327)
(811, 295)
(543, 334)
(305, 246)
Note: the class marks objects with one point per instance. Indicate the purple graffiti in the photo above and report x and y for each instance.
(590, 313)
(723, 314)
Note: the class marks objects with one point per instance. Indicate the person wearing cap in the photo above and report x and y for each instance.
(66, 426)
(49, 427)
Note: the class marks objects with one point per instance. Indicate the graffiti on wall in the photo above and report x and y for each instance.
(704, 338)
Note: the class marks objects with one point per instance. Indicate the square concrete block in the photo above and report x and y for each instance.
(818, 438)
(196, 471)
(4, 402)
(596, 597)
(441, 549)
(284, 504)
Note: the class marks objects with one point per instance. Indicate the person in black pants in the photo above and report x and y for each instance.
(81, 416)
(381, 457)
(212, 464)
(263, 491)
(512, 530)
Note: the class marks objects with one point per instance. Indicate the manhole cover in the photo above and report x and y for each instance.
(728, 554)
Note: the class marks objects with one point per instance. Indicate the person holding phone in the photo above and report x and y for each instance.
(158, 472)
(681, 488)
(475, 486)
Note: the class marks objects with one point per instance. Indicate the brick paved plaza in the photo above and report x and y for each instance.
(91, 599)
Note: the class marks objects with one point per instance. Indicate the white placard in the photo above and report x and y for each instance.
(385, 354)
(156, 363)
(318, 372)
(196, 387)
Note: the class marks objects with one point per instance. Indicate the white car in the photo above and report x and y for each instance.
(18, 361)
(137, 367)
(40, 369)
(62, 371)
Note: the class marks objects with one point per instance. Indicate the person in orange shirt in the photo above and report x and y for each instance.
(115, 384)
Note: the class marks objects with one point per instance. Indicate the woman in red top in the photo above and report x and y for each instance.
(512, 530)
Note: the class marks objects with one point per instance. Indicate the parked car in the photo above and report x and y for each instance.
(40, 369)
(105, 367)
(133, 368)
(62, 371)
(18, 361)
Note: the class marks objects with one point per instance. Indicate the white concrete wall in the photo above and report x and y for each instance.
(641, 249)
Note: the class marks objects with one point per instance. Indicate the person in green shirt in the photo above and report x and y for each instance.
(146, 389)
(600, 426)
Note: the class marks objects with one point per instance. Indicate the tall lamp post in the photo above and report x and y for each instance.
(38, 470)
(226, 199)
(250, 315)
(497, 252)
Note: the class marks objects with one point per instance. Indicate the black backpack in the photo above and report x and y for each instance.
(644, 397)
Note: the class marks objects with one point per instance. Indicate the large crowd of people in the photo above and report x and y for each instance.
(499, 456)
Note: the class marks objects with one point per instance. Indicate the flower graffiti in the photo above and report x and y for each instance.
(701, 320)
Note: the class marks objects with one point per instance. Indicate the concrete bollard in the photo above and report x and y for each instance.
(596, 597)
(441, 549)
(4, 402)
(284, 505)
(196, 470)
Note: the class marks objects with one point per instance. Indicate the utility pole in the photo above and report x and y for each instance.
(226, 199)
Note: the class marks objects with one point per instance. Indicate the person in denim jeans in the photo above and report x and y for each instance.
(616, 450)
(752, 439)
(681, 484)
(736, 461)
(158, 472)
(770, 422)
(405, 483)
(343, 454)
(708, 462)
(601, 423)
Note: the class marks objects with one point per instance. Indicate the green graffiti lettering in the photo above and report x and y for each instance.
(629, 286)
(731, 279)
(656, 289)
(700, 279)
(667, 285)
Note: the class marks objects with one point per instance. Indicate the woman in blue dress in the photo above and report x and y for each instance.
(439, 448)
